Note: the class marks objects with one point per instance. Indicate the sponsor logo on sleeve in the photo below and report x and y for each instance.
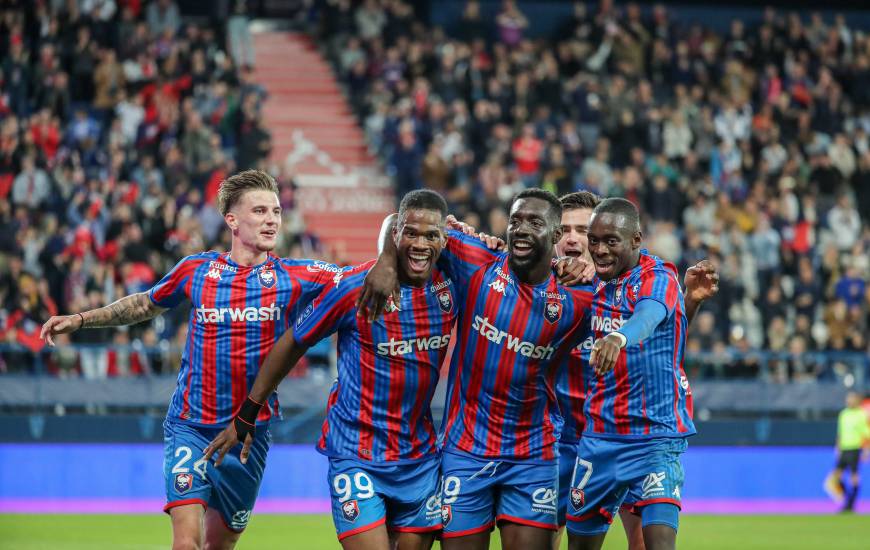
(305, 315)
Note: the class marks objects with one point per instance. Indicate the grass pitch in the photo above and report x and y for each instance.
(315, 532)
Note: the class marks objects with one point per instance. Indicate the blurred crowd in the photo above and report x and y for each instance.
(118, 121)
(749, 145)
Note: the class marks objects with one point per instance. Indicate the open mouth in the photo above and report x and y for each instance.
(573, 252)
(419, 262)
(604, 267)
(521, 248)
(269, 233)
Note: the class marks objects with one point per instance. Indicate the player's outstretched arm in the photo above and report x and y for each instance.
(129, 310)
(701, 282)
(280, 361)
(382, 280)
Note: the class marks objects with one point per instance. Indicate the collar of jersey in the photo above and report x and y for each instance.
(270, 258)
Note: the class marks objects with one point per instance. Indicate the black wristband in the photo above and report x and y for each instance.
(245, 420)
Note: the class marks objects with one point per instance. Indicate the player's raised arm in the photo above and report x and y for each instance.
(129, 310)
(382, 281)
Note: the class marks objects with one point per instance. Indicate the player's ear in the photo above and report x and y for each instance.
(231, 220)
(557, 234)
(637, 240)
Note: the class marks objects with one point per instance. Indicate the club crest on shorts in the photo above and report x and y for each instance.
(553, 312)
(577, 498)
(446, 514)
(350, 509)
(267, 278)
(445, 301)
(183, 483)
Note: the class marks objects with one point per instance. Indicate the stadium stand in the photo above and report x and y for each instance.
(747, 144)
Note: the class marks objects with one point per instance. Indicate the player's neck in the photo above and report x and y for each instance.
(246, 256)
(406, 280)
(533, 275)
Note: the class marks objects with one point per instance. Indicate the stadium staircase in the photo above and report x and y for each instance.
(343, 193)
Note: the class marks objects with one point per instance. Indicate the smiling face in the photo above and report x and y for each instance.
(419, 237)
(255, 220)
(614, 244)
(531, 235)
(575, 230)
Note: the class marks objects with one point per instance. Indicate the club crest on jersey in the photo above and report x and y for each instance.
(552, 312)
(445, 301)
(183, 483)
(267, 278)
(618, 296)
(350, 510)
(578, 499)
(446, 514)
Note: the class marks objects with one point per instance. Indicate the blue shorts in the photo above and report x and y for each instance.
(477, 492)
(567, 460)
(645, 473)
(230, 489)
(365, 496)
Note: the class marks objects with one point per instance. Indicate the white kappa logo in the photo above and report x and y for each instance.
(214, 273)
(498, 286)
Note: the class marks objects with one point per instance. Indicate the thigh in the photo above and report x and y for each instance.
(184, 472)
(236, 485)
(515, 536)
(357, 505)
(467, 495)
(217, 535)
(596, 492)
(528, 495)
(412, 498)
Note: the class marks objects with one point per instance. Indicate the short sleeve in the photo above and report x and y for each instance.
(174, 287)
(464, 255)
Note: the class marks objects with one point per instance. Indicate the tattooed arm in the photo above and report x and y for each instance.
(131, 309)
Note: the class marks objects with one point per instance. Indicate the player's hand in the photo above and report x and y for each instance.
(226, 440)
(574, 271)
(60, 324)
(491, 242)
(701, 281)
(604, 354)
(462, 227)
(380, 285)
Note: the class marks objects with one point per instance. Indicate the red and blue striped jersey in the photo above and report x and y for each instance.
(647, 393)
(571, 389)
(238, 314)
(378, 409)
(511, 337)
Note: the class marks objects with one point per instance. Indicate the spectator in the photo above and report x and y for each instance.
(31, 187)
